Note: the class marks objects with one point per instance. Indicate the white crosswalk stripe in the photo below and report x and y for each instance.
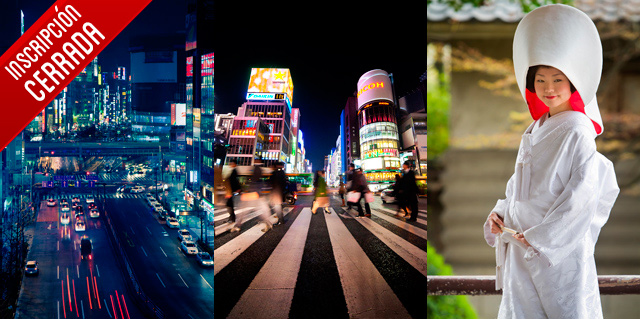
(369, 291)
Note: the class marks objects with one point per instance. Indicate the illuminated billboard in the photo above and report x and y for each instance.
(179, 114)
(270, 80)
(374, 85)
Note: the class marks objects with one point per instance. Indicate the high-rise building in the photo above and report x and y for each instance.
(248, 141)
(269, 98)
(199, 129)
(157, 81)
(349, 132)
(378, 129)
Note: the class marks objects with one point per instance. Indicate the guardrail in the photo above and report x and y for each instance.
(141, 297)
(486, 285)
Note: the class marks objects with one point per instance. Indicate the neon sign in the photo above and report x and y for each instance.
(370, 86)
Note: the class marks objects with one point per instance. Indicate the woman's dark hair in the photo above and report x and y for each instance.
(531, 77)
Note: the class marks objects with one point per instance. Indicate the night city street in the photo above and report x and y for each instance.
(130, 124)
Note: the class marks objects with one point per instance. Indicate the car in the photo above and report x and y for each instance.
(79, 208)
(387, 195)
(64, 208)
(31, 269)
(85, 248)
(124, 189)
(51, 202)
(75, 199)
(138, 189)
(64, 219)
(189, 247)
(92, 205)
(159, 186)
(90, 199)
(204, 259)
(158, 207)
(184, 234)
(64, 202)
(94, 213)
(80, 226)
(172, 222)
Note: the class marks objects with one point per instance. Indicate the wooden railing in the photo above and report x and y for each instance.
(486, 285)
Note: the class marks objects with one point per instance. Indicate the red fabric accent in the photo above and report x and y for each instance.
(537, 108)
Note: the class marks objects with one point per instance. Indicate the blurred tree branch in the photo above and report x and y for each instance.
(527, 5)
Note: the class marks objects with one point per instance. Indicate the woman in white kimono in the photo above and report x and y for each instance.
(562, 190)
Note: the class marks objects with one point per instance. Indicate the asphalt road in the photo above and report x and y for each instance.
(68, 287)
(322, 265)
(172, 280)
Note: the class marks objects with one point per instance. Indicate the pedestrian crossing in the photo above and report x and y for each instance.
(83, 196)
(323, 265)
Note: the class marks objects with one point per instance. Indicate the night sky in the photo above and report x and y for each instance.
(327, 45)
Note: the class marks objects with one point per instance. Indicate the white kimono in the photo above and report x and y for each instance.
(559, 197)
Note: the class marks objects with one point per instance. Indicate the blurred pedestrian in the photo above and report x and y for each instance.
(399, 198)
(360, 185)
(233, 190)
(341, 191)
(252, 198)
(349, 184)
(409, 191)
(321, 198)
(278, 181)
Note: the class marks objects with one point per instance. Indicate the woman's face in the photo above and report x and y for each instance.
(553, 89)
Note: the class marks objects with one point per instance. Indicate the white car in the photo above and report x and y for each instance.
(137, 189)
(64, 208)
(51, 202)
(184, 235)
(80, 226)
(158, 207)
(64, 219)
(172, 222)
(94, 213)
(90, 199)
(189, 247)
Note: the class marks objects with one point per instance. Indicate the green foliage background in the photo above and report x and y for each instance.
(438, 100)
(445, 307)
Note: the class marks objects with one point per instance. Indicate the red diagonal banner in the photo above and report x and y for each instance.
(54, 50)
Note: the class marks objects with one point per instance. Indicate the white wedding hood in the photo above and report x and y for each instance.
(565, 38)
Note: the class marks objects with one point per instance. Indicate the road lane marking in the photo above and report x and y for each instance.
(97, 270)
(82, 306)
(58, 271)
(78, 270)
(365, 290)
(58, 245)
(165, 254)
(224, 255)
(415, 256)
(206, 281)
(148, 229)
(58, 309)
(412, 229)
(269, 283)
(144, 251)
(133, 232)
(185, 283)
(160, 280)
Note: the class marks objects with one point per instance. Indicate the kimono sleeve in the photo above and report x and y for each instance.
(500, 209)
(567, 222)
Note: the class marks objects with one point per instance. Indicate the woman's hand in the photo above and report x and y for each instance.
(520, 238)
(496, 222)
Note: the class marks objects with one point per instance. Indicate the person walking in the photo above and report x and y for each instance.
(341, 191)
(252, 198)
(409, 191)
(321, 198)
(349, 185)
(399, 198)
(359, 184)
(278, 182)
(233, 190)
